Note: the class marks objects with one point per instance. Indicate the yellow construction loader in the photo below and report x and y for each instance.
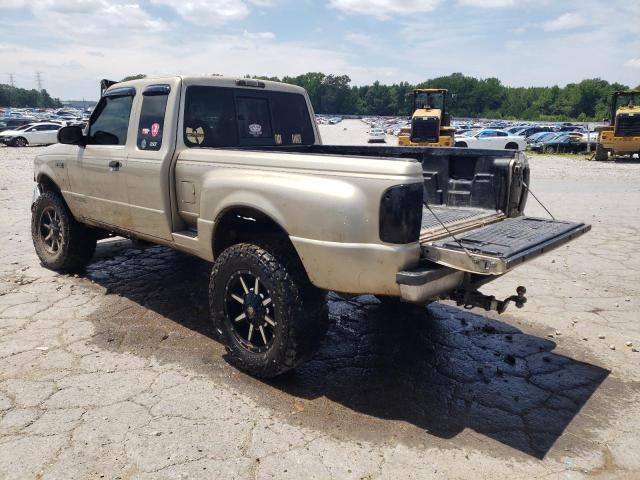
(622, 135)
(430, 120)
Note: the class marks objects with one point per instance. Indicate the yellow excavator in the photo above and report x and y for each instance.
(430, 120)
(622, 135)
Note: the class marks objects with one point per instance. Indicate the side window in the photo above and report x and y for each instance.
(254, 118)
(210, 117)
(151, 126)
(502, 134)
(110, 121)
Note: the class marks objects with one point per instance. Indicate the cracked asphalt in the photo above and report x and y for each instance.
(117, 373)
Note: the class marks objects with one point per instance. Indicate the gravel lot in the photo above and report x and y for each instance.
(117, 374)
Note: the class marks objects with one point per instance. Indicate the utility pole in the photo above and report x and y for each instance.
(13, 84)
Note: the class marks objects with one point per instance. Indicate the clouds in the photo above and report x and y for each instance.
(633, 63)
(566, 21)
(384, 9)
(88, 19)
(77, 42)
(207, 12)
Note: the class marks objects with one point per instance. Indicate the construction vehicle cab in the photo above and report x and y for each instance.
(430, 120)
(622, 135)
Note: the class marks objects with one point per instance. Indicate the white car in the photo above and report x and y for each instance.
(376, 135)
(36, 134)
(491, 139)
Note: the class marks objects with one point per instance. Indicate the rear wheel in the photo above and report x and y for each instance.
(549, 149)
(461, 144)
(272, 319)
(60, 241)
(20, 142)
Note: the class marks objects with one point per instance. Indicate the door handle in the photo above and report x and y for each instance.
(114, 165)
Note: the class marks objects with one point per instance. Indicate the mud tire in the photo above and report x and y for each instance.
(77, 242)
(299, 310)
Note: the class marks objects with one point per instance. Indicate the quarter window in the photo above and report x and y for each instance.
(110, 121)
(151, 126)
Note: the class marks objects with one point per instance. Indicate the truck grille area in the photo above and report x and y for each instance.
(627, 125)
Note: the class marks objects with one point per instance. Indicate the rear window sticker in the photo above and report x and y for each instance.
(296, 138)
(255, 129)
(278, 138)
(155, 129)
(195, 135)
(143, 143)
(145, 131)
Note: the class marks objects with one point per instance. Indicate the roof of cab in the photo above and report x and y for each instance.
(215, 81)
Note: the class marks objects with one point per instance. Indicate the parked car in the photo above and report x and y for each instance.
(536, 129)
(10, 132)
(540, 137)
(376, 135)
(564, 143)
(491, 139)
(12, 123)
(36, 134)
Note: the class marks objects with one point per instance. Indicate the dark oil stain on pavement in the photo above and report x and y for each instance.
(433, 371)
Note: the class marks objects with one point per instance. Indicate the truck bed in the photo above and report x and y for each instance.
(441, 221)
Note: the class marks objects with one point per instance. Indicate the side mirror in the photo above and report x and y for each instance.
(71, 135)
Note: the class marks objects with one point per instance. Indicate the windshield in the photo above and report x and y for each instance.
(429, 100)
(628, 100)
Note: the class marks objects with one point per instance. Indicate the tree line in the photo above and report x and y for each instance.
(23, 98)
(469, 97)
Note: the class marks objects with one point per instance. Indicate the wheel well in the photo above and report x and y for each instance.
(511, 145)
(48, 185)
(240, 225)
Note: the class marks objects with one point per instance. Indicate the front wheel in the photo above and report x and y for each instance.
(272, 319)
(20, 142)
(602, 154)
(60, 241)
(549, 149)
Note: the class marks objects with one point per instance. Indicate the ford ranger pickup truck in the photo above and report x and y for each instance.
(234, 172)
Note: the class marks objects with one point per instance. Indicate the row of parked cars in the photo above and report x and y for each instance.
(550, 138)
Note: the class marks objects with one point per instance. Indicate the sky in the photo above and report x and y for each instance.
(75, 43)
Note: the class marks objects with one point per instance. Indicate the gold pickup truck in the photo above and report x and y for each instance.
(234, 172)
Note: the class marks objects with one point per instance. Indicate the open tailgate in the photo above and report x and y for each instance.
(496, 248)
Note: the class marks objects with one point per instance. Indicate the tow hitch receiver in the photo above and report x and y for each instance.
(470, 299)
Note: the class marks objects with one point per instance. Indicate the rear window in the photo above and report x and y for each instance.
(228, 117)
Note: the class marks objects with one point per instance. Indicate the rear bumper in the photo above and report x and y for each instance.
(427, 282)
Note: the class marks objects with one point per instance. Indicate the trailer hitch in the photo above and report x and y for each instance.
(470, 299)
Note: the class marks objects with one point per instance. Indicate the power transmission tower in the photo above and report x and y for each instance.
(39, 80)
(11, 79)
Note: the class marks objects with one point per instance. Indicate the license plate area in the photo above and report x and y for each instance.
(496, 248)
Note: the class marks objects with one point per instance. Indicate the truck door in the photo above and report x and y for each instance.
(149, 162)
(97, 173)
